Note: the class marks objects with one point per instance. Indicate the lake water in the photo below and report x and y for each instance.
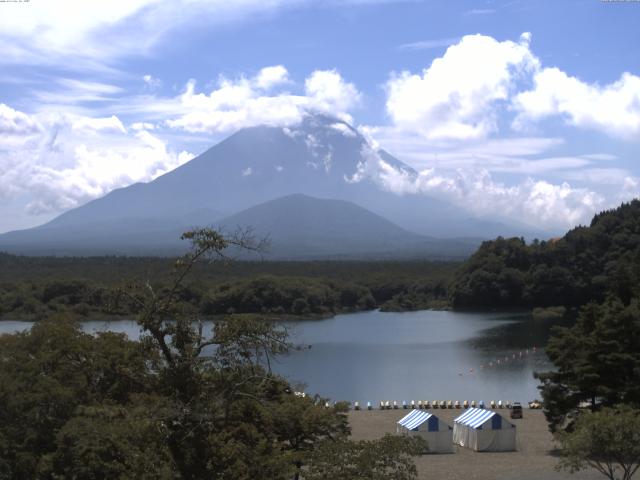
(428, 355)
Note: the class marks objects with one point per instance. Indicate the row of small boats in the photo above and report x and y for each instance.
(444, 404)
(428, 405)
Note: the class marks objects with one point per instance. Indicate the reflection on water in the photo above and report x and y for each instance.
(420, 355)
(428, 355)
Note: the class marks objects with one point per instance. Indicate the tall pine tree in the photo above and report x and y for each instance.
(597, 360)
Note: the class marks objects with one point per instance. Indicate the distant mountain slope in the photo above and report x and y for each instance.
(252, 166)
(122, 236)
(299, 226)
(322, 157)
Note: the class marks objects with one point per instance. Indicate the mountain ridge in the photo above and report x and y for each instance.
(297, 225)
(300, 226)
(322, 157)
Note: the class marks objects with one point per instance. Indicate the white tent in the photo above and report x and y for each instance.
(439, 435)
(484, 431)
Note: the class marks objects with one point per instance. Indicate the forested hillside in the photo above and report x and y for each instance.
(36, 287)
(583, 266)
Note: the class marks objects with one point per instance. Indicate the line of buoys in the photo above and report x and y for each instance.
(502, 360)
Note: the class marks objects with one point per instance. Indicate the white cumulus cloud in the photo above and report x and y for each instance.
(457, 95)
(13, 122)
(73, 159)
(613, 108)
(463, 93)
(327, 91)
(94, 125)
(446, 122)
(537, 202)
(243, 102)
(271, 76)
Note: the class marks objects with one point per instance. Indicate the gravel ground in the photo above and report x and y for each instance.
(533, 459)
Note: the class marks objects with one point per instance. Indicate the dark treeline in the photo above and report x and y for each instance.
(586, 265)
(35, 287)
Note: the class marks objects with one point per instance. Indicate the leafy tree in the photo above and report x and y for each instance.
(109, 441)
(388, 457)
(50, 371)
(180, 403)
(301, 425)
(585, 265)
(608, 441)
(597, 361)
(33, 288)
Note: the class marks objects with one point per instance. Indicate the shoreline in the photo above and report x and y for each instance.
(534, 459)
(290, 317)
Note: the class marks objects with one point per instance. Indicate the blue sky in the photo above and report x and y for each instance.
(527, 109)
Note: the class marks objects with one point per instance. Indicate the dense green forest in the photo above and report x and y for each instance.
(583, 266)
(80, 406)
(35, 287)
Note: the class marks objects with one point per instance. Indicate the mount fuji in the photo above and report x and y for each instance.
(272, 171)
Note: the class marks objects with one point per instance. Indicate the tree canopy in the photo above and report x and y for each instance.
(585, 265)
(608, 441)
(179, 403)
(32, 288)
(597, 360)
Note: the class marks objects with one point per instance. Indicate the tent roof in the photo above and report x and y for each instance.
(475, 417)
(414, 419)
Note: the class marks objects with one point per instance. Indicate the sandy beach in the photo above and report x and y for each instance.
(533, 460)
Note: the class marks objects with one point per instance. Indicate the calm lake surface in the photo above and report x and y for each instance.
(428, 355)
